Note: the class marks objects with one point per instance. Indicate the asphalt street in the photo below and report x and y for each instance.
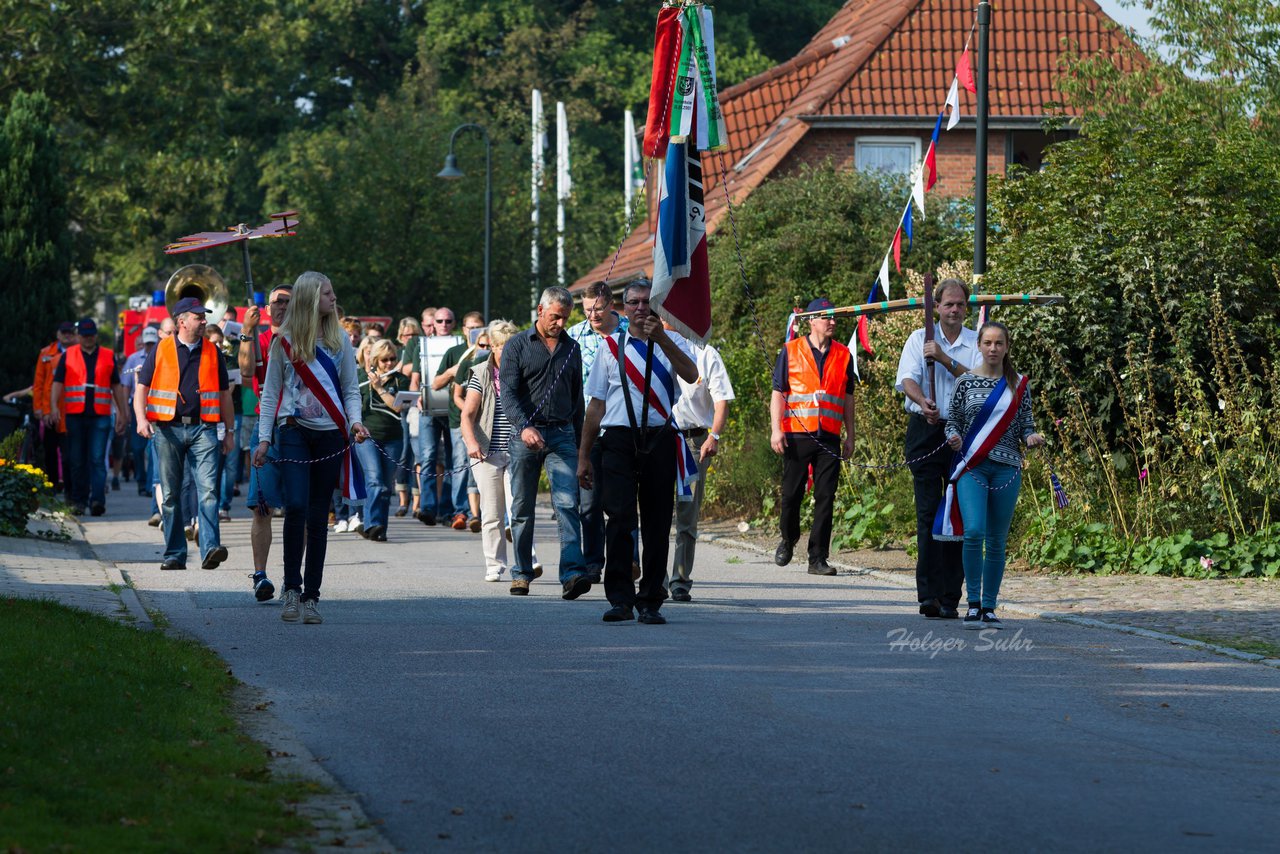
(776, 711)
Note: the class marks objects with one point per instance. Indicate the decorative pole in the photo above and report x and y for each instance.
(980, 143)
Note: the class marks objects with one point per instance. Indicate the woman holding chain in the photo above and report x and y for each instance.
(312, 397)
(990, 419)
(379, 384)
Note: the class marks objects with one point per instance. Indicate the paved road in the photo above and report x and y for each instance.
(775, 712)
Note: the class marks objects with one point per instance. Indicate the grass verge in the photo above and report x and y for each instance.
(113, 739)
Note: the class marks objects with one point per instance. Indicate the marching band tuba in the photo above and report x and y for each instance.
(202, 282)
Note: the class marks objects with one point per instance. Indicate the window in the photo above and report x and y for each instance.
(896, 155)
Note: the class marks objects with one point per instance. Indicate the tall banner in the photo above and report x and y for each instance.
(681, 292)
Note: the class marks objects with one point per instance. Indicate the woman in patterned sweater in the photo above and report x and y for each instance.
(990, 420)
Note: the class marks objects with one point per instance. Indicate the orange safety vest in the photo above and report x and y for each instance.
(73, 390)
(42, 387)
(815, 403)
(162, 395)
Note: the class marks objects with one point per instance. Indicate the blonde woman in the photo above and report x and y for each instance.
(406, 478)
(486, 432)
(312, 397)
(379, 384)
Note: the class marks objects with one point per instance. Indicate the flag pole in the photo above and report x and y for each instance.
(562, 185)
(980, 144)
(539, 140)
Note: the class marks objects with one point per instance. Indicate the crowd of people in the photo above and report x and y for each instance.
(326, 417)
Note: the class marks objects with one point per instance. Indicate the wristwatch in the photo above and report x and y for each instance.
(714, 435)
(244, 339)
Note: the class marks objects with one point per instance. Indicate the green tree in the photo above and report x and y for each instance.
(35, 278)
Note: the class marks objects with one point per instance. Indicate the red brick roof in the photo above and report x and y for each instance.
(878, 58)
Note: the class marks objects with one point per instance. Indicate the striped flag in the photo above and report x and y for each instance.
(667, 42)
(681, 292)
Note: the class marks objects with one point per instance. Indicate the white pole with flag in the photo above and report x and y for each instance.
(629, 158)
(563, 185)
(539, 142)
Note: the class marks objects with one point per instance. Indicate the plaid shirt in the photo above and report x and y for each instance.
(590, 341)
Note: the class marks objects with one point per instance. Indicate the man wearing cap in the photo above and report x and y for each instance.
(181, 397)
(51, 430)
(812, 400)
(85, 384)
(129, 377)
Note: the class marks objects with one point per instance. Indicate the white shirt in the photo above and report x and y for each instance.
(605, 384)
(911, 366)
(696, 406)
(285, 394)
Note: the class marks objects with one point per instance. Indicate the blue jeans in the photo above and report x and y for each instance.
(182, 448)
(463, 480)
(433, 447)
(227, 473)
(591, 502)
(307, 488)
(87, 437)
(560, 456)
(986, 495)
(380, 465)
(141, 457)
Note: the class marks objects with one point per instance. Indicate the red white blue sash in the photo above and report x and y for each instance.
(990, 424)
(327, 390)
(661, 395)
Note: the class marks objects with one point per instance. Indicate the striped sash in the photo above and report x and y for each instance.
(324, 386)
(990, 424)
(661, 397)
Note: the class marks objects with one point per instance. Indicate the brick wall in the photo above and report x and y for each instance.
(955, 154)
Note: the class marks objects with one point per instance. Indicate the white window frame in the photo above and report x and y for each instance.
(912, 141)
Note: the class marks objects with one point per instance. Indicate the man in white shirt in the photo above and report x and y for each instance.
(700, 415)
(927, 374)
(602, 321)
(639, 452)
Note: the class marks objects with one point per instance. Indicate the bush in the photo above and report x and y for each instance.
(22, 487)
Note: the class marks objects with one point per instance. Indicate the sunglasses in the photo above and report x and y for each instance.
(635, 302)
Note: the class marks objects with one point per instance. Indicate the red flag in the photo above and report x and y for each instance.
(864, 333)
(964, 73)
(931, 166)
(897, 249)
(666, 55)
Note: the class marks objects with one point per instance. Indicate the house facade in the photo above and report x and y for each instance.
(865, 93)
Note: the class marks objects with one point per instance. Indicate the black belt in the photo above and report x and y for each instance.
(695, 432)
(187, 419)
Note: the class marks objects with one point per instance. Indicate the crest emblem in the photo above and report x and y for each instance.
(684, 85)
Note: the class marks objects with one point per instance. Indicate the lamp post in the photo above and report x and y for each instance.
(452, 172)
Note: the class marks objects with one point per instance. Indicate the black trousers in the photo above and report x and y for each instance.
(939, 569)
(823, 454)
(634, 478)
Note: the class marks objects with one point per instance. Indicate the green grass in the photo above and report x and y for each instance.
(112, 739)
(1244, 644)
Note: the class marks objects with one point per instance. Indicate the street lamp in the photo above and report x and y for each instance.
(452, 172)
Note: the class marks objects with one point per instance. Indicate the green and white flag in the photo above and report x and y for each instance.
(694, 89)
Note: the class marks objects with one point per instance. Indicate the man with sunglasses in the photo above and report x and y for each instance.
(435, 501)
(453, 373)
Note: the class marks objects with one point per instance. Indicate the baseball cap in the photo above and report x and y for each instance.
(67, 326)
(819, 304)
(87, 327)
(151, 335)
(187, 304)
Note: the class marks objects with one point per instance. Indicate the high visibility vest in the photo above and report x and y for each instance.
(77, 381)
(162, 395)
(815, 402)
(43, 384)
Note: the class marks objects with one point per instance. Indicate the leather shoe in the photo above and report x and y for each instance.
(618, 614)
(931, 609)
(946, 612)
(173, 564)
(519, 587)
(782, 556)
(216, 555)
(575, 587)
(595, 577)
(97, 509)
(821, 567)
(652, 617)
(679, 595)
(428, 519)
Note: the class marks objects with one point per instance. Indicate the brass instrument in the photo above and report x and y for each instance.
(202, 282)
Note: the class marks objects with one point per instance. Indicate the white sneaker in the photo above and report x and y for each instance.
(311, 613)
(495, 574)
(340, 527)
(290, 612)
(354, 525)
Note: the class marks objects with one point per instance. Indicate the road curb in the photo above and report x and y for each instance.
(124, 588)
(1029, 611)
